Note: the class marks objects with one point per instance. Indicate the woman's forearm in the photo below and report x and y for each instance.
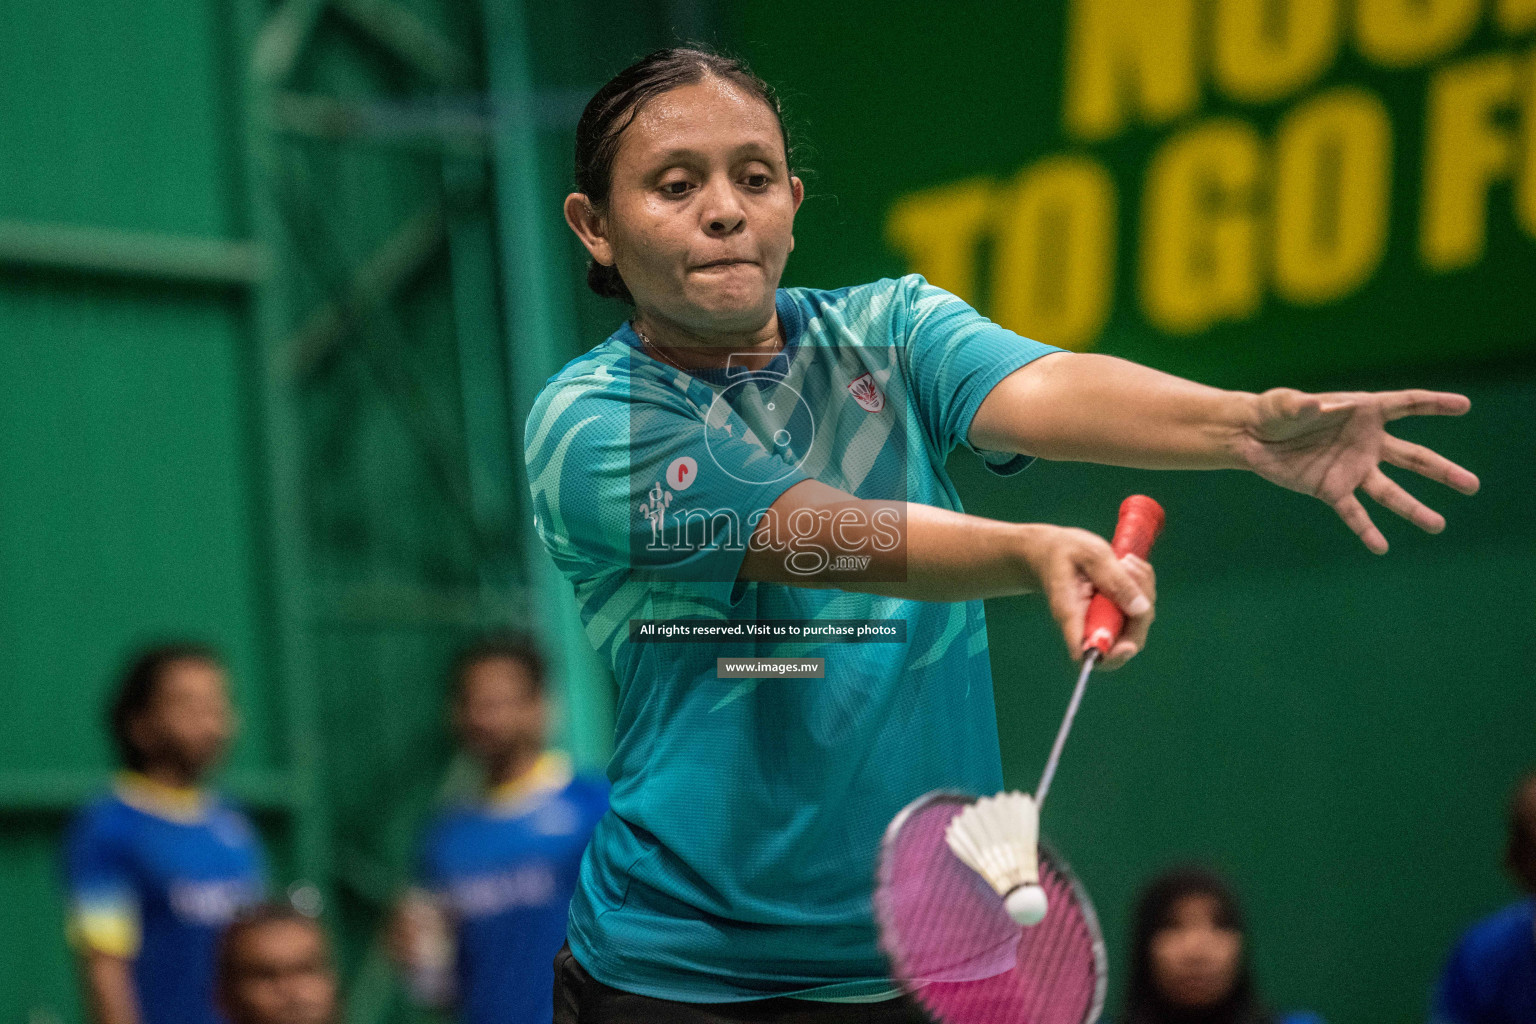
(941, 555)
(904, 549)
(1084, 407)
(108, 983)
(953, 556)
(909, 550)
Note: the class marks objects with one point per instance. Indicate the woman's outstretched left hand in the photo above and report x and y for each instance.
(1332, 445)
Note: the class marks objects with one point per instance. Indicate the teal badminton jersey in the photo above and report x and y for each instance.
(737, 859)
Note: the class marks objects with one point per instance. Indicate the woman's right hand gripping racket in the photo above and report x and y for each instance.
(958, 877)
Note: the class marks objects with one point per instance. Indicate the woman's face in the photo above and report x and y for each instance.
(1194, 959)
(701, 212)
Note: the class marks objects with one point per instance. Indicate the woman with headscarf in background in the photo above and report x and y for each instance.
(1189, 956)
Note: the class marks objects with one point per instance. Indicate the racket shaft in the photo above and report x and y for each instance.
(1089, 660)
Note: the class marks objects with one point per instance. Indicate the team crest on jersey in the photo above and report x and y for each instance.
(864, 391)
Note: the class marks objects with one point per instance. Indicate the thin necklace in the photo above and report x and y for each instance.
(635, 325)
(652, 346)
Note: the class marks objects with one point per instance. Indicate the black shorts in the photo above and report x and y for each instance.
(582, 999)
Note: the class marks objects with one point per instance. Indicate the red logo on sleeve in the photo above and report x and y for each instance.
(681, 473)
(864, 391)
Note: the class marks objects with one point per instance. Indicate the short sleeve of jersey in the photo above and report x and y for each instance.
(627, 472)
(1490, 976)
(1458, 997)
(429, 874)
(593, 793)
(102, 893)
(956, 356)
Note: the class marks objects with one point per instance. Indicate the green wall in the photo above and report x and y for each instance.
(127, 497)
(254, 388)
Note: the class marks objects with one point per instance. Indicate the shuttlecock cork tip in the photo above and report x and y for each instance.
(1027, 905)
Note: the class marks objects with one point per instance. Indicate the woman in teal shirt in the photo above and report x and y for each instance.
(702, 460)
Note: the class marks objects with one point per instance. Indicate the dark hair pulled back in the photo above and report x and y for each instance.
(614, 107)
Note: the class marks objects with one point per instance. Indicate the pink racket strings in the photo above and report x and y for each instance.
(953, 944)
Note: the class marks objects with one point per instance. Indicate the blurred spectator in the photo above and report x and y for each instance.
(158, 866)
(496, 875)
(1491, 975)
(1189, 956)
(274, 967)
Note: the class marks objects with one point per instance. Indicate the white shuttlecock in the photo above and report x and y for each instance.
(998, 837)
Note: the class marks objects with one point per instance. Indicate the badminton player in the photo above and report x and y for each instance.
(732, 878)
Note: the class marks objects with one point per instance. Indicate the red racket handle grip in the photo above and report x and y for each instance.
(1141, 520)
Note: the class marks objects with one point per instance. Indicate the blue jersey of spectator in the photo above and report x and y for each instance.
(1491, 976)
(504, 868)
(154, 873)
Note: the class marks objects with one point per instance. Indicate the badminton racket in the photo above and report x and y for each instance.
(948, 934)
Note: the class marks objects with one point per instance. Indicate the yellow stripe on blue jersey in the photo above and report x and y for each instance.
(154, 873)
(105, 923)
